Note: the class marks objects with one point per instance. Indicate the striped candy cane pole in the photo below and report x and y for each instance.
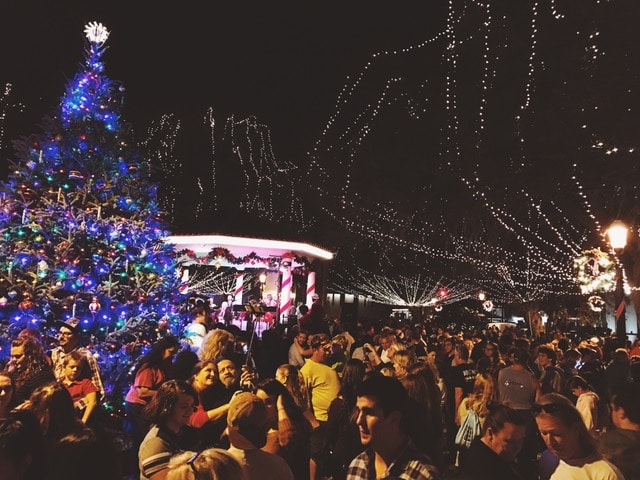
(311, 288)
(285, 292)
(237, 294)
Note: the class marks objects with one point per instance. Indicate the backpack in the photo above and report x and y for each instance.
(470, 429)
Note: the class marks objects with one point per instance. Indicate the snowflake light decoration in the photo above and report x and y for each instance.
(595, 271)
(487, 305)
(96, 32)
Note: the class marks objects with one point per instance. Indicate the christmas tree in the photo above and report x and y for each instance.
(82, 232)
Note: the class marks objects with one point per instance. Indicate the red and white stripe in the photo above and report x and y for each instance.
(285, 292)
(311, 288)
(237, 293)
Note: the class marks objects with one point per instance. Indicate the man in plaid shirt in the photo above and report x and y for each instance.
(382, 404)
(69, 341)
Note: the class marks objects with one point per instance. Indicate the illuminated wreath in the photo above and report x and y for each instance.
(487, 305)
(595, 271)
(595, 303)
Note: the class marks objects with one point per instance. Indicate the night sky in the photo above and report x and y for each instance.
(280, 62)
(484, 141)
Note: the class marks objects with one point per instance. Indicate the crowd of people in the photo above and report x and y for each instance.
(321, 400)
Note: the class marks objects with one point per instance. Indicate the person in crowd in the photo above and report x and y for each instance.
(215, 344)
(519, 389)
(248, 424)
(567, 437)
(69, 341)
(289, 431)
(299, 351)
(293, 381)
(570, 361)
(77, 381)
(183, 364)
(323, 386)
(343, 438)
(484, 393)
(387, 346)
(587, 402)
(6, 394)
(463, 378)
(635, 348)
(402, 360)
(382, 419)
(29, 367)
(22, 451)
(551, 377)
(225, 315)
(491, 362)
(620, 445)
(53, 407)
(196, 330)
(210, 414)
(618, 371)
(417, 344)
(83, 454)
(492, 456)
(168, 412)
(425, 408)
(592, 370)
(210, 464)
(149, 374)
(233, 378)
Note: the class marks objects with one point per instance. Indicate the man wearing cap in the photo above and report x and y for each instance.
(247, 425)
(69, 341)
(323, 385)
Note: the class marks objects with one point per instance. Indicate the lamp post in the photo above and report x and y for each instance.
(617, 234)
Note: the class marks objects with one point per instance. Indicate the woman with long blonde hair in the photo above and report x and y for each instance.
(215, 344)
(484, 392)
(402, 360)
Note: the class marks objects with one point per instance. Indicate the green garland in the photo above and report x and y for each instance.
(595, 271)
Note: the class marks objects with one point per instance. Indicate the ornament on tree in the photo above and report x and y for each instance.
(94, 306)
(3, 301)
(27, 302)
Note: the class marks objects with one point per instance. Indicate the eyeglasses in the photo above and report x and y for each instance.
(191, 461)
(537, 408)
(65, 334)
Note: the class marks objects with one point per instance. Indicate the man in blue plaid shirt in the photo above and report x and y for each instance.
(382, 403)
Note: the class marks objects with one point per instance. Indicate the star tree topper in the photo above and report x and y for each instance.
(96, 32)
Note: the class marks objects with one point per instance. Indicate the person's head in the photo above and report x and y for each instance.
(269, 390)
(620, 356)
(172, 405)
(461, 354)
(490, 350)
(301, 337)
(210, 464)
(484, 392)
(215, 344)
(381, 405)
(562, 428)
(293, 381)
(69, 334)
(204, 375)
(161, 352)
(321, 346)
(546, 356)
(402, 360)
(386, 339)
(518, 356)
(53, 407)
(577, 385)
(21, 447)
(625, 407)
(83, 451)
(27, 354)
(503, 431)
(75, 366)
(448, 344)
(6, 394)
(247, 421)
(183, 364)
(228, 372)
(571, 357)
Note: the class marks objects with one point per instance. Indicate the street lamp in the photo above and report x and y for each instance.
(617, 234)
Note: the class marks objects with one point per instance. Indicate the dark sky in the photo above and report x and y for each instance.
(283, 62)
